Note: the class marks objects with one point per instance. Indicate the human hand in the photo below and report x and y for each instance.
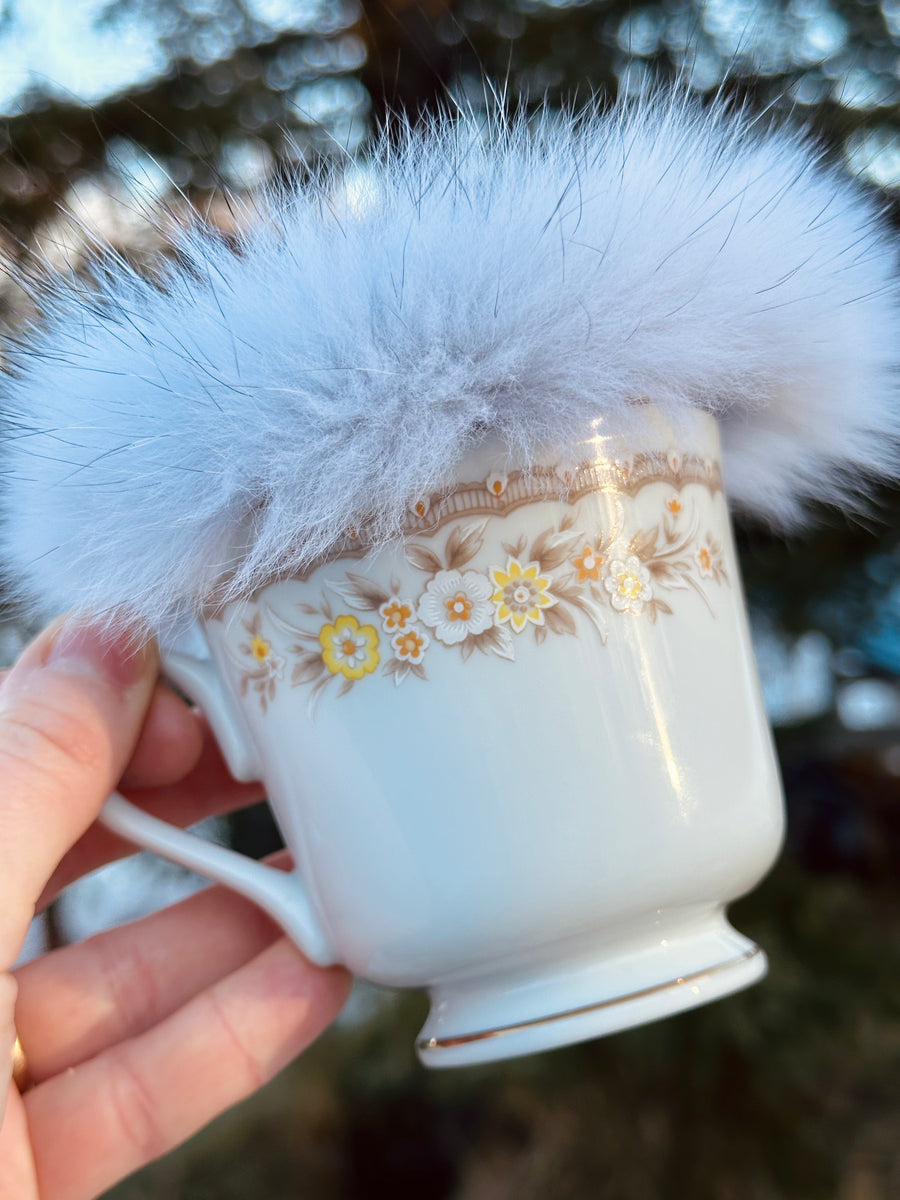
(139, 1036)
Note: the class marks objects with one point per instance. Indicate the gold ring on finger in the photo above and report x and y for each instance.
(20, 1073)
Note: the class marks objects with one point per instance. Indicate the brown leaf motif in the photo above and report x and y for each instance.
(496, 640)
(551, 549)
(307, 668)
(423, 558)
(463, 544)
(515, 549)
(560, 620)
(643, 543)
(361, 593)
(568, 580)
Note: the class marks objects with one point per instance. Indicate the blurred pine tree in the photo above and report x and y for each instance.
(790, 1092)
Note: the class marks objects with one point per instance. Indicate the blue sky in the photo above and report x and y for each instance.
(52, 44)
(58, 46)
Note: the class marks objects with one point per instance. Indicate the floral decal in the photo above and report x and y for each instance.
(348, 648)
(521, 594)
(628, 584)
(260, 648)
(410, 647)
(709, 560)
(588, 564)
(455, 597)
(267, 667)
(397, 614)
(455, 605)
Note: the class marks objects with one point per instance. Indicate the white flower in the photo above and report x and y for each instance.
(275, 666)
(410, 645)
(397, 613)
(709, 560)
(704, 559)
(456, 604)
(628, 584)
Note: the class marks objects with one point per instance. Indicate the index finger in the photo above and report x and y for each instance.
(70, 713)
(207, 790)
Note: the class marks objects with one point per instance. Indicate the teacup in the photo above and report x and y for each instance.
(519, 756)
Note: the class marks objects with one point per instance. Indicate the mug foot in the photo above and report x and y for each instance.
(588, 994)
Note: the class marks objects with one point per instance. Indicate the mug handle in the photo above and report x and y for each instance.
(282, 894)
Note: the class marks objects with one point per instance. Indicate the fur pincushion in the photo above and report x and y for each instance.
(479, 278)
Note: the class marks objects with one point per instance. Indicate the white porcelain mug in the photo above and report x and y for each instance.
(520, 758)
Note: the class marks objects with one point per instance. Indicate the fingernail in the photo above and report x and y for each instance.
(78, 647)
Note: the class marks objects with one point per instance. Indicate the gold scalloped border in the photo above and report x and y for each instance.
(623, 476)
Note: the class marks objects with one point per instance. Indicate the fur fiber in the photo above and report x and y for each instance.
(520, 279)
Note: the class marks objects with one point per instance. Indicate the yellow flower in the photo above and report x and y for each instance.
(260, 648)
(674, 505)
(348, 648)
(521, 594)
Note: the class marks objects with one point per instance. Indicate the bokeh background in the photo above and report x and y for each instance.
(125, 120)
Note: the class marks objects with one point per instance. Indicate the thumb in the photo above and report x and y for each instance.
(71, 710)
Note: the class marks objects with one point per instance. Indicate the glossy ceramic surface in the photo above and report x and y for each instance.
(521, 759)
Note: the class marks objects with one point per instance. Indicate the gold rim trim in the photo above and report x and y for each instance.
(537, 1023)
